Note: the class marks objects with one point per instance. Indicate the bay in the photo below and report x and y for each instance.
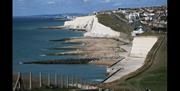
(30, 43)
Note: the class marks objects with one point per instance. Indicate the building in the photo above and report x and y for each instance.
(138, 31)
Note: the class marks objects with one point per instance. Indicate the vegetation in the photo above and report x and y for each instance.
(122, 16)
(152, 75)
(154, 33)
(116, 24)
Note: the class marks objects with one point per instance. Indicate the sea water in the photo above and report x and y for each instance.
(31, 43)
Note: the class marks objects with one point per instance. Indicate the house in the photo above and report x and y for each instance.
(148, 18)
(138, 31)
(132, 17)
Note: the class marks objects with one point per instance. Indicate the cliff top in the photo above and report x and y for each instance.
(117, 22)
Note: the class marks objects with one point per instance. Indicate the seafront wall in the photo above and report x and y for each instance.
(142, 45)
(140, 48)
(92, 27)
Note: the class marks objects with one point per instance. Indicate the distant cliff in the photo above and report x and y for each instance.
(100, 26)
(92, 26)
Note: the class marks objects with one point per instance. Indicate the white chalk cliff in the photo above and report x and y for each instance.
(92, 27)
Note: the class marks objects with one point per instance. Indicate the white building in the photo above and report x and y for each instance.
(132, 17)
(148, 18)
(138, 31)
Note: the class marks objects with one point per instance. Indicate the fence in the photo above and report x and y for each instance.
(28, 81)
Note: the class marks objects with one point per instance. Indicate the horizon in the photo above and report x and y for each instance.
(49, 14)
(51, 7)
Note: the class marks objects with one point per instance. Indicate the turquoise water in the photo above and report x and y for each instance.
(30, 43)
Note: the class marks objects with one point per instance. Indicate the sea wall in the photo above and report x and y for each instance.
(92, 27)
(142, 45)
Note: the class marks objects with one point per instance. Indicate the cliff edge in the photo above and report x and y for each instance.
(92, 27)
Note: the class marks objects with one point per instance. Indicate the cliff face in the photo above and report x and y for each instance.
(92, 27)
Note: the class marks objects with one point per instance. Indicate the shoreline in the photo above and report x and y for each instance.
(94, 49)
(119, 64)
(100, 51)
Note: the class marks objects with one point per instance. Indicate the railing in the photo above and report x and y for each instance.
(55, 80)
(17, 84)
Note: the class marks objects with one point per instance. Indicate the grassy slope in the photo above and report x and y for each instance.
(155, 77)
(114, 23)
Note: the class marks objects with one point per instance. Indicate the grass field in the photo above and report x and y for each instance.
(115, 23)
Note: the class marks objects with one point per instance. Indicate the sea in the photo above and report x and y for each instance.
(31, 43)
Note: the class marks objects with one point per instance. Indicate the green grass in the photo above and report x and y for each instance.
(122, 16)
(153, 33)
(114, 23)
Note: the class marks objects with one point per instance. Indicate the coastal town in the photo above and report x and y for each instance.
(154, 17)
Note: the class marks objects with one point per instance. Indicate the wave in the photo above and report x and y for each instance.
(98, 80)
(42, 55)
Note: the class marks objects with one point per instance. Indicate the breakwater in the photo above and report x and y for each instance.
(65, 61)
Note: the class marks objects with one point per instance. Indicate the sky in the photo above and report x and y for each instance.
(40, 7)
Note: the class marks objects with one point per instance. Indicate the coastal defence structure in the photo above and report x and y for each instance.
(133, 61)
(142, 45)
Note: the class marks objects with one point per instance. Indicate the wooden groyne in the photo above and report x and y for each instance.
(64, 39)
(60, 48)
(117, 62)
(63, 61)
(53, 27)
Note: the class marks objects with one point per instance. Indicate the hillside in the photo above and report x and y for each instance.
(116, 22)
